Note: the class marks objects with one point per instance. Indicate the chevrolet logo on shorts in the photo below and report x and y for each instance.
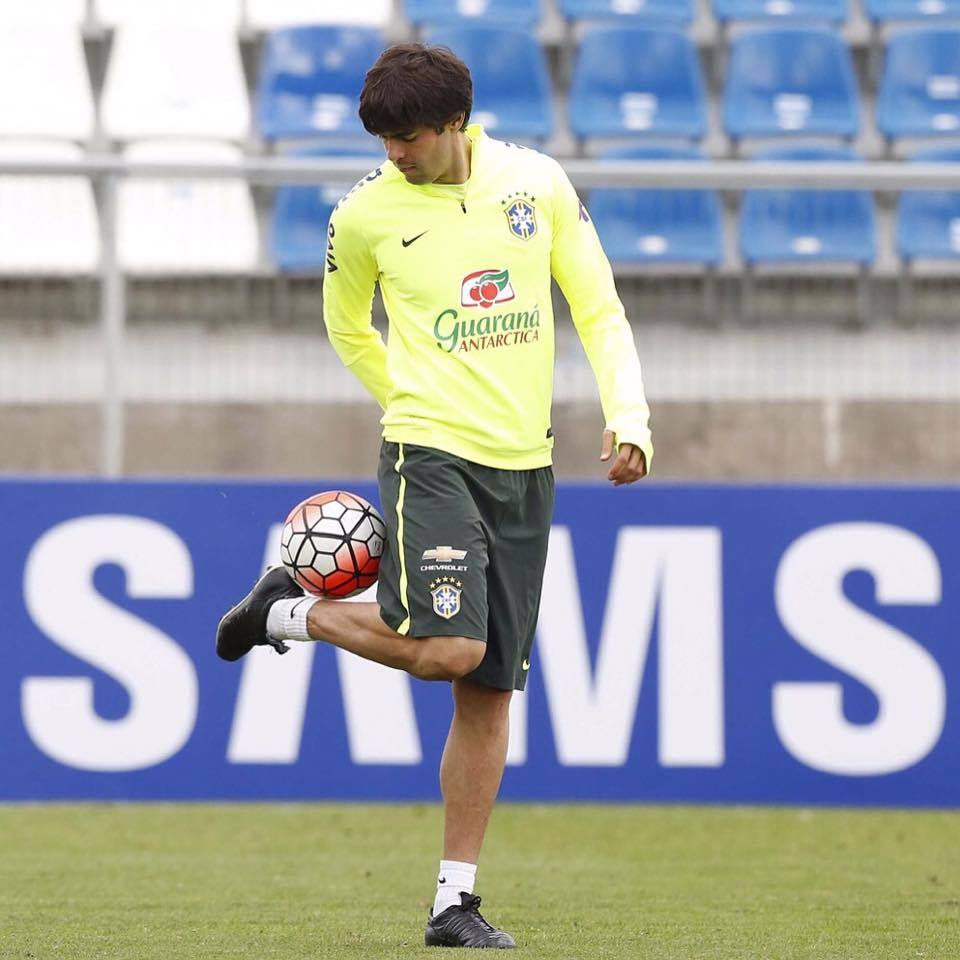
(443, 554)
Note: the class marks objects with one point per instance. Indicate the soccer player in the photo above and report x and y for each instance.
(463, 234)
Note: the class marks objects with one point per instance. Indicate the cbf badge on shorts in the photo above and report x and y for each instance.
(446, 596)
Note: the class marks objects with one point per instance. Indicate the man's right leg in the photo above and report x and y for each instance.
(356, 627)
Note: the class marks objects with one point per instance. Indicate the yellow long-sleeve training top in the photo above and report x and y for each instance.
(464, 271)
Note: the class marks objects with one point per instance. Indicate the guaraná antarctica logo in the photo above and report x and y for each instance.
(484, 288)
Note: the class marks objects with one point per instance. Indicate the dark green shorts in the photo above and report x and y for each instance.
(465, 555)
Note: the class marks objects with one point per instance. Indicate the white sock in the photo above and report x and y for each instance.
(454, 878)
(287, 619)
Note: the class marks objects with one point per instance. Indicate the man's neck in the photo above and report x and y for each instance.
(459, 171)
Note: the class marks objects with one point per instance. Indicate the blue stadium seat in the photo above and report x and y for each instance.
(298, 226)
(790, 226)
(831, 11)
(499, 13)
(652, 225)
(674, 12)
(512, 95)
(919, 92)
(790, 82)
(310, 81)
(883, 10)
(637, 82)
(928, 221)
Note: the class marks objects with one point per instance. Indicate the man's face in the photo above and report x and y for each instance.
(422, 155)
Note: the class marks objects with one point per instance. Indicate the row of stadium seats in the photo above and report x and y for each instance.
(627, 82)
(50, 224)
(269, 14)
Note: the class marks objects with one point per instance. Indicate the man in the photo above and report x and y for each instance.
(463, 234)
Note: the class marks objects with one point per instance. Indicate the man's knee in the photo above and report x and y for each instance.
(448, 658)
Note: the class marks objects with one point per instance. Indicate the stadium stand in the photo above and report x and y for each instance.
(185, 226)
(44, 84)
(222, 13)
(928, 221)
(780, 226)
(273, 14)
(886, 10)
(503, 13)
(167, 80)
(790, 82)
(674, 12)
(753, 380)
(511, 84)
(830, 11)
(919, 92)
(658, 226)
(789, 227)
(297, 237)
(64, 13)
(637, 82)
(310, 81)
(49, 224)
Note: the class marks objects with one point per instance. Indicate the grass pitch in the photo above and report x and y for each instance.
(238, 882)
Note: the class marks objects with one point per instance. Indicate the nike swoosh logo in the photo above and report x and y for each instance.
(407, 243)
(526, 665)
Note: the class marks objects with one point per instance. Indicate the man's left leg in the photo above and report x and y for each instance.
(472, 766)
(470, 773)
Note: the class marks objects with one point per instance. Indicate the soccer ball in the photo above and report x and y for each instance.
(331, 544)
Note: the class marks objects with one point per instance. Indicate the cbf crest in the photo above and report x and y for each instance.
(521, 215)
(446, 596)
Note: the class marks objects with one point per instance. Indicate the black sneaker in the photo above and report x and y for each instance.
(245, 626)
(464, 926)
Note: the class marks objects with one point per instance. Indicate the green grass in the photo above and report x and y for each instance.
(143, 882)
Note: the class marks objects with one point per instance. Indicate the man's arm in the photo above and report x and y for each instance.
(583, 272)
(348, 285)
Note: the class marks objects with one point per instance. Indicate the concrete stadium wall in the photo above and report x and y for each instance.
(719, 440)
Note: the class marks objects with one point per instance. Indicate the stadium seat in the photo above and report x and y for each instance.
(655, 225)
(224, 13)
(500, 13)
(637, 82)
(830, 11)
(790, 226)
(186, 226)
(673, 12)
(44, 85)
(790, 82)
(298, 227)
(919, 93)
(64, 13)
(49, 223)
(168, 80)
(928, 221)
(511, 84)
(881, 11)
(310, 81)
(273, 14)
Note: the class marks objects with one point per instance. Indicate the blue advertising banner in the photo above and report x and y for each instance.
(696, 643)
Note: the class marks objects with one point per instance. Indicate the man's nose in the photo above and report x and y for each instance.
(395, 150)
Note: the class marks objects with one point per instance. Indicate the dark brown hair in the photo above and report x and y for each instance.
(414, 85)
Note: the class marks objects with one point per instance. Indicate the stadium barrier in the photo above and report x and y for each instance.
(696, 643)
(109, 171)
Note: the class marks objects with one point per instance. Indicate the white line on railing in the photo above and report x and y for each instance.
(720, 174)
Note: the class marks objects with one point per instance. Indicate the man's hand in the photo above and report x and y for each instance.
(630, 465)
